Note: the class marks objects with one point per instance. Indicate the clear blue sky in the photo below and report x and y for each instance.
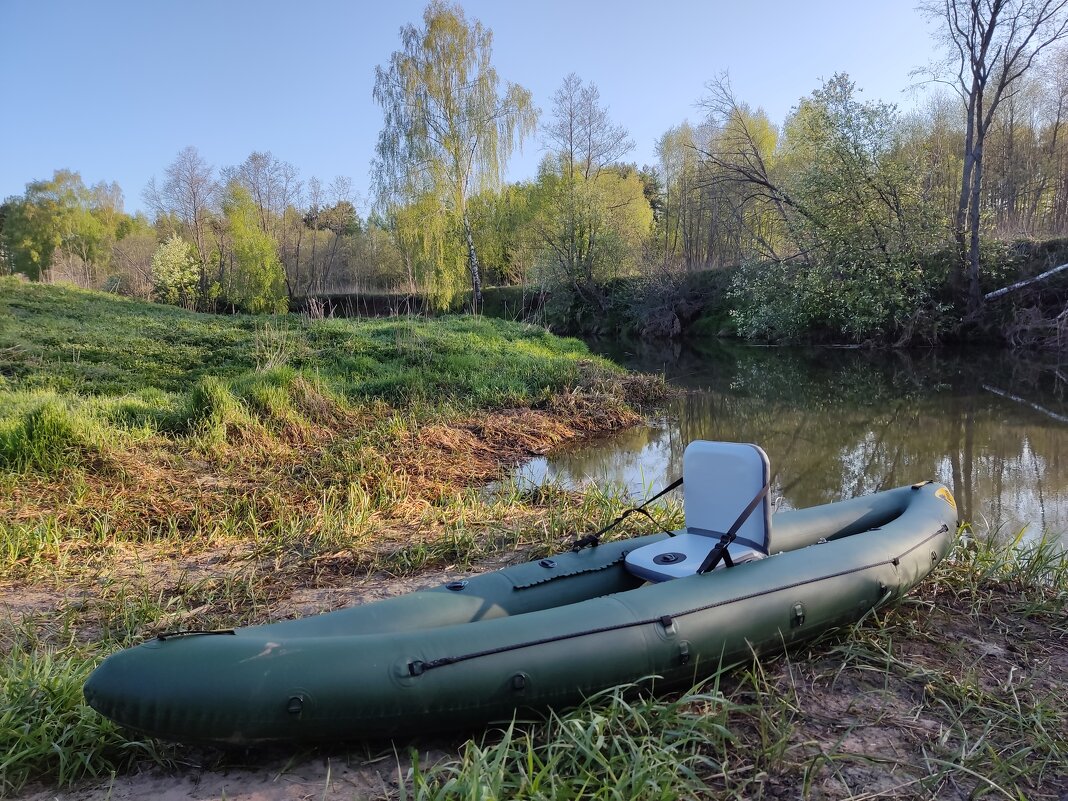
(115, 89)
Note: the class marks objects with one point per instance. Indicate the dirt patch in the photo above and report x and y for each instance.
(888, 711)
(337, 778)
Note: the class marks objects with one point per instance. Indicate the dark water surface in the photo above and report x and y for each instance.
(839, 423)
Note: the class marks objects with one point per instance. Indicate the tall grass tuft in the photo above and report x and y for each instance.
(615, 746)
(214, 413)
(47, 439)
(1036, 568)
(46, 730)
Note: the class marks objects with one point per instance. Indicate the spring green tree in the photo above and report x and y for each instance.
(853, 218)
(449, 128)
(593, 214)
(589, 231)
(501, 222)
(175, 273)
(60, 222)
(254, 280)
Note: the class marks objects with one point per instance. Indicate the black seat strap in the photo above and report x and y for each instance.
(595, 538)
(719, 552)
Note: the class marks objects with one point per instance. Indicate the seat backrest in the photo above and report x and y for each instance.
(721, 478)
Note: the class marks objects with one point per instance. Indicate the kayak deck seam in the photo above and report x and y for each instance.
(578, 572)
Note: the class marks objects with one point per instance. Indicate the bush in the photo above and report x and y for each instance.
(856, 301)
(45, 440)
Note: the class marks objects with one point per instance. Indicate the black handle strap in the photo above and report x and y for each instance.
(720, 550)
(594, 539)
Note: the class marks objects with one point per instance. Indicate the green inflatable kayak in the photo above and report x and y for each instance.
(547, 633)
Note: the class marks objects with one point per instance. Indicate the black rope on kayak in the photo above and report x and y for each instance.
(719, 552)
(595, 538)
(418, 667)
(170, 635)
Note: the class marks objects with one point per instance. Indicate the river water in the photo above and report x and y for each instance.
(839, 423)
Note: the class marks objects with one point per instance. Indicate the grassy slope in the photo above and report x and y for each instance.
(74, 341)
(88, 379)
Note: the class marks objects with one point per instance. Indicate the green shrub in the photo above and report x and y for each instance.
(46, 439)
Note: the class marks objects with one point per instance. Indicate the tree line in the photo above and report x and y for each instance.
(848, 216)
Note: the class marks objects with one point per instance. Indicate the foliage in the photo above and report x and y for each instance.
(841, 215)
(61, 223)
(255, 281)
(592, 214)
(589, 231)
(501, 225)
(989, 48)
(175, 273)
(425, 233)
(714, 214)
(852, 206)
(448, 131)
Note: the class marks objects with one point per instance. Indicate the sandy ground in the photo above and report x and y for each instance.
(333, 778)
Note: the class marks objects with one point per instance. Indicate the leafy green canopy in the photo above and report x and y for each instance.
(255, 281)
(60, 218)
(448, 133)
(853, 211)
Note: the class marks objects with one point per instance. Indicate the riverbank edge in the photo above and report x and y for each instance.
(703, 303)
(161, 469)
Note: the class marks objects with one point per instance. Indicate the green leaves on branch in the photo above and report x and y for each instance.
(176, 273)
(62, 225)
(449, 132)
(589, 230)
(853, 226)
(254, 281)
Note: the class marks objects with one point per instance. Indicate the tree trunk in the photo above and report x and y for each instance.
(975, 295)
(472, 263)
(960, 224)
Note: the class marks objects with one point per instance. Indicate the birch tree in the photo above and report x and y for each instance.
(188, 193)
(449, 126)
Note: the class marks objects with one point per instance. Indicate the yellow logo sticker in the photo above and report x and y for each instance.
(947, 496)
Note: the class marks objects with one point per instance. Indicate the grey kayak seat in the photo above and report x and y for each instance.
(725, 491)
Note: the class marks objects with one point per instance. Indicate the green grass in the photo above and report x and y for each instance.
(162, 422)
(48, 733)
(88, 343)
(79, 367)
(615, 746)
(46, 730)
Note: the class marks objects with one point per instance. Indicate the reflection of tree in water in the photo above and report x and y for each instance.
(842, 423)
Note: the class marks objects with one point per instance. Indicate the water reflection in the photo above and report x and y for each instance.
(839, 423)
